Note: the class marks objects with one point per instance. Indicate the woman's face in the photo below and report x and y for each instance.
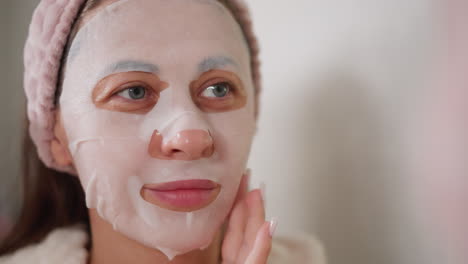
(158, 109)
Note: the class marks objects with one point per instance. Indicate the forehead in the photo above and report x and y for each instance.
(161, 31)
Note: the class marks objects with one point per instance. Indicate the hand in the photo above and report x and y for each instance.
(248, 236)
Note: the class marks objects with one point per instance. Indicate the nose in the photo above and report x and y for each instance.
(185, 145)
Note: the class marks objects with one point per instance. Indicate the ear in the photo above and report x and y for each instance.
(59, 145)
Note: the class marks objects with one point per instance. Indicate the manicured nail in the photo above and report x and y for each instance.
(273, 225)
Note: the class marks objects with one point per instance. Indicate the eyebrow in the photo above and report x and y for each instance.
(215, 62)
(130, 65)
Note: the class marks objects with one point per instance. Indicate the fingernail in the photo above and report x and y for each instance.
(273, 225)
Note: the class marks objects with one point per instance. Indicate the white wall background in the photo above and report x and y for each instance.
(339, 81)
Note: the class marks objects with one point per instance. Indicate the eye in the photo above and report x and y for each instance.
(218, 90)
(133, 93)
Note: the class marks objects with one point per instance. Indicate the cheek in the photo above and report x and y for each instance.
(112, 159)
(234, 130)
(102, 124)
(233, 133)
(107, 144)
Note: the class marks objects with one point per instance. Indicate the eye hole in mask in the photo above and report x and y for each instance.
(131, 92)
(218, 91)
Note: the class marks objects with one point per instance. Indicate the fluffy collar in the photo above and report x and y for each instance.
(67, 246)
(62, 246)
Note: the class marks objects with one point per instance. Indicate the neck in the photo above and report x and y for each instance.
(109, 246)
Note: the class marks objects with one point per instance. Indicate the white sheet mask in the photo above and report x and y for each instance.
(177, 41)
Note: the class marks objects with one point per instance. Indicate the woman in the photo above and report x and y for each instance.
(151, 107)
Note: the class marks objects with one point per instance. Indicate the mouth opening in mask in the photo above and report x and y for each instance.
(181, 196)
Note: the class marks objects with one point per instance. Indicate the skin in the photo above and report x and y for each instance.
(246, 239)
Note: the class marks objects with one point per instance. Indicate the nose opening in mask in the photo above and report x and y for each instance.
(185, 137)
(190, 144)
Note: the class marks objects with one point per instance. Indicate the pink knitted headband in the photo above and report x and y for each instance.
(50, 27)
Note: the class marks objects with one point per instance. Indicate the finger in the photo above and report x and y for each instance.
(262, 246)
(234, 236)
(256, 217)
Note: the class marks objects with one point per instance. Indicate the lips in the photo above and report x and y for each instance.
(181, 196)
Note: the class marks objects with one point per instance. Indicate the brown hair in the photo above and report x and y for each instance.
(52, 199)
